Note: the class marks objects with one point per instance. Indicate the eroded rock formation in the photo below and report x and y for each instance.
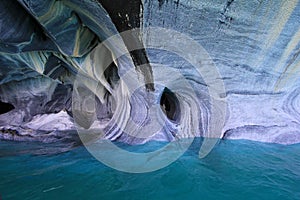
(47, 46)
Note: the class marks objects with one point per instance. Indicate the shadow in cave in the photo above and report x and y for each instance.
(5, 107)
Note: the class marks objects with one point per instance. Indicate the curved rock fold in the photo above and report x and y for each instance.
(59, 70)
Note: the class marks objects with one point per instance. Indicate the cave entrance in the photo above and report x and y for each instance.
(5, 107)
(170, 104)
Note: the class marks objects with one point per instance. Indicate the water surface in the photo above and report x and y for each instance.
(233, 170)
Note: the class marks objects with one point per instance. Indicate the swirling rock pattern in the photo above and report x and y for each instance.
(45, 44)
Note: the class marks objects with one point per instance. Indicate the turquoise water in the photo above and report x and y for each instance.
(233, 170)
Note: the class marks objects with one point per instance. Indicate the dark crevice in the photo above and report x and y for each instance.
(38, 28)
(20, 31)
(225, 19)
(170, 105)
(93, 42)
(127, 15)
(228, 3)
(5, 107)
(111, 74)
(161, 3)
(54, 67)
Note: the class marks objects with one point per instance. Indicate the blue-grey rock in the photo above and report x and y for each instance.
(46, 45)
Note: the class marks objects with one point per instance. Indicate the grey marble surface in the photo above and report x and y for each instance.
(254, 46)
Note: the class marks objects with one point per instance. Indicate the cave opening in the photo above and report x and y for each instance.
(170, 104)
(5, 107)
(111, 74)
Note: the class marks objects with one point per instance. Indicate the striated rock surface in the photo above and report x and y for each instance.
(56, 74)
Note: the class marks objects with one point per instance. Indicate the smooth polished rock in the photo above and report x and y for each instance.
(52, 58)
